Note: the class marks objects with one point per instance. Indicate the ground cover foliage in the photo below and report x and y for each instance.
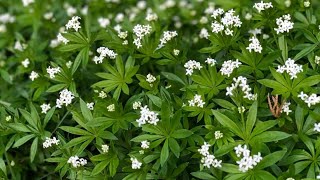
(159, 89)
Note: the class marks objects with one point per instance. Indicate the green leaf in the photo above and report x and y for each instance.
(202, 175)
(264, 175)
(56, 87)
(19, 127)
(75, 130)
(305, 51)
(283, 47)
(23, 140)
(174, 146)
(251, 119)
(27, 116)
(107, 135)
(226, 122)
(113, 166)
(276, 86)
(270, 136)
(308, 82)
(148, 137)
(181, 133)
(271, 159)
(164, 153)
(263, 126)
(99, 167)
(3, 166)
(85, 110)
(173, 77)
(33, 149)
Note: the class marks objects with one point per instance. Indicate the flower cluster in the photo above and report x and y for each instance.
(284, 24)
(147, 116)
(313, 99)
(145, 144)
(150, 79)
(241, 82)
(135, 163)
(211, 61)
(285, 108)
(167, 36)
(208, 160)
(228, 67)
(65, 98)
(140, 31)
(53, 71)
(196, 101)
(291, 68)
(254, 45)
(227, 21)
(191, 65)
(76, 162)
(261, 6)
(90, 106)
(136, 105)
(111, 108)
(62, 39)
(45, 108)
(218, 135)
(104, 52)
(105, 148)
(49, 142)
(74, 23)
(247, 162)
(34, 75)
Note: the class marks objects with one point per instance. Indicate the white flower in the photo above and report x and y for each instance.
(290, 178)
(204, 150)
(69, 64)
(176, 52)
(53, 71)
(247, 162)
(49, 142)
(254, 45)
(228, 67)
(8, 118)
(255, 31)
(211, 61)
(191, 65)
(103, 22)
(74, 23)
(76, 162)
(291, 68)
(147, 116)
(104, 52)
(265, 36)
(227, 23)
(248, 16)
(136, 105)
(313, 99)
(25, 63)
(262, 6)
(18, 46)
(33, 75)
(151, 16)
(167, 36)
(306, 3)
(316, 127)
(6, 18)
(317, 60)
(70, 10)
(242, 83)
(217, 27)
(145, 144)
(90, 105)
(3, 28)
(105, 148)
(123, 34)
(196, 101)
(284, 24)
(218, 135)
(150, 78)
(60, 38)
(48, 15)
(285, 108)
(102, 94)
(210, 160)
(318, 177)
(140, 31)
(135, 163)
(45, 108)
(241, 109)
(27, 2)
(111, 108)
(204, 33)
(65, 98)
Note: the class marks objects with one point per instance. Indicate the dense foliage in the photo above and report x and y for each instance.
(159, 89)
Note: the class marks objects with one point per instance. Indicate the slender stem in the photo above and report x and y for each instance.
(63, 118)
(10, 168)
